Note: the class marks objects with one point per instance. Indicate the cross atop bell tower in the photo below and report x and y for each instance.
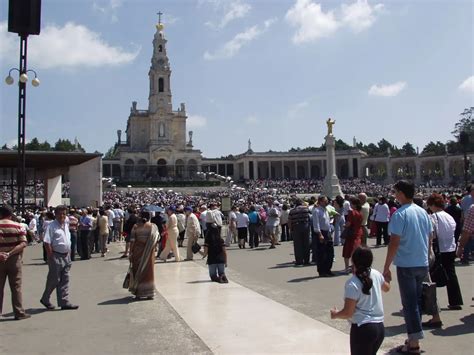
(160, 96)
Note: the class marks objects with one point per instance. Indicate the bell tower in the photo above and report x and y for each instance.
(160, 73)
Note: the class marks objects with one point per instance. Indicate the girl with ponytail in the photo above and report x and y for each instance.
(363, 304)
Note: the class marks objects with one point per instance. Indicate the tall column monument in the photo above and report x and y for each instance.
(331, 187)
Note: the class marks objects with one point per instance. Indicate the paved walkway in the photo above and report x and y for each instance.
(232, 319)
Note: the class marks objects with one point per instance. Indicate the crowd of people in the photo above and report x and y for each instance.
(154, 224)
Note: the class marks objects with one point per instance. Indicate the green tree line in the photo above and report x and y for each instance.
(62, 145)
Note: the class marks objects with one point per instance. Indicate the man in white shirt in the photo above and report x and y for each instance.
(57, 241)
(322, 242)
(382, 217)
(110, 215)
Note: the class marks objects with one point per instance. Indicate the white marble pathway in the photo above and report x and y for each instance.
(232, 319)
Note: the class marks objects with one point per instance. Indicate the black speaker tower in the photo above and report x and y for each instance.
(24, 17)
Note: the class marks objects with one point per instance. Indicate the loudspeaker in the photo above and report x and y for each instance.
(24, 17)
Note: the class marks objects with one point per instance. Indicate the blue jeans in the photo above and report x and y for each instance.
(410, 283)
(215, 269)
(467, 250)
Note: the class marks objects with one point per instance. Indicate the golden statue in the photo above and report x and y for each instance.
(330, 123)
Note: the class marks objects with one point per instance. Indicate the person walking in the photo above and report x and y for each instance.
(143, 239)
(444, 246)
(57, 241)
(363, 304)
(242, 224)
(410, 231)
(193, 231)
(354, 234)
(73, 223)
(173, 232)
(254, 225)
(299, 227)
(12, 242)
(103, 231)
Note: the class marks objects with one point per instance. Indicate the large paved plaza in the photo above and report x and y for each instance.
(268, 307)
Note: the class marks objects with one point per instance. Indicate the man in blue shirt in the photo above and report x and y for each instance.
(410, 229)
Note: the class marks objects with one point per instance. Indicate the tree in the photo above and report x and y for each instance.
(5, 147)
(408, 150)
(65, 145)
(384, 145)
(432, 148)
(110, 153)
(465, 124)
(34, 144)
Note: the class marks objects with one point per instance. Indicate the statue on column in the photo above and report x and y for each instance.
(190, 138)
(330, 124)
(354, 142)
(250, 145)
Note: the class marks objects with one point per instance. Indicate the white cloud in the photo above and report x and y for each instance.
(108, 8)
(228, 10)
(69, 46)
(467, 85)
(196, 121)
(295, 110)
(360, 15)
(252, 120)
(387, 90)
(236, 10)
(313, 23)
(232, 47)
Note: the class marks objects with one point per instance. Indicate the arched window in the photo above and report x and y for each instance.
(160, 48)
(161, 85)
(161, 130)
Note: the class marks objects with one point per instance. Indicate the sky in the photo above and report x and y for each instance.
(272, 71)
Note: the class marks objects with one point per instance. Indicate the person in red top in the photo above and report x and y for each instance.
(355, 232)
(12, 242)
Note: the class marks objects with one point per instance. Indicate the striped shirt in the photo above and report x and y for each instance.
(73, 223)
(299, 214)
(11, 234)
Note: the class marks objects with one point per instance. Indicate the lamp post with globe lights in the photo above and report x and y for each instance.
(22, 80)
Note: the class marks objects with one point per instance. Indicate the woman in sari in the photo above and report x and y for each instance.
(143, 241)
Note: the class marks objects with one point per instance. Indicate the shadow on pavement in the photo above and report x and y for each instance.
(283, 265)
(199, 282)
(395, 330)
(35, 264)
(303, 279)
(123, 300)
(467, 327)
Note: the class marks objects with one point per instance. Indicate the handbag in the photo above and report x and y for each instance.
(438, 273)
(196, 247)
(346, 233)
(429, 303)
(126, 281)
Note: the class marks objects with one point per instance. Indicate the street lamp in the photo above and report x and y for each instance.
(22, 80)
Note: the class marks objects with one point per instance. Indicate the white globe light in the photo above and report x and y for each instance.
(23, 78)
(35, 82)
(9, 80)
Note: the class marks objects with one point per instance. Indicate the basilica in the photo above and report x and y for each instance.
(157, 147)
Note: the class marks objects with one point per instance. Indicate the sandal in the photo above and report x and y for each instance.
(406, 349)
